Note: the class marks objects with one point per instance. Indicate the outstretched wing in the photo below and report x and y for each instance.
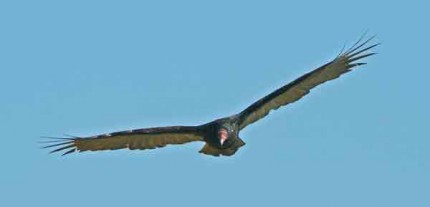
(295, 90)
(149, 138)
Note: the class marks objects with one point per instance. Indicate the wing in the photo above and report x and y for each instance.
(295, 90)
(141, 139)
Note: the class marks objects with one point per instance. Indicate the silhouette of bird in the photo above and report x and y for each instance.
(221, 136)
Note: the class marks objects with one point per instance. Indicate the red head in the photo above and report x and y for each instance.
(222, 135)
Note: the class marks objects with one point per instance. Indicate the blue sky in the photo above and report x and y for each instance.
(90, 67)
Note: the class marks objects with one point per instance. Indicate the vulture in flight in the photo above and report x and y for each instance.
(221, 136)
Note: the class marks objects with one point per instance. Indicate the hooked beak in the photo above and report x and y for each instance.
(222, 140)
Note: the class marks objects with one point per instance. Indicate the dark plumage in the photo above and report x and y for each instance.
(221, 136)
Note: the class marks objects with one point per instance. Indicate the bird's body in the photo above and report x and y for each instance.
(232, 141)
(221, 136)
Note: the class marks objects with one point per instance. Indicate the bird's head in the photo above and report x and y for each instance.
(225, 135)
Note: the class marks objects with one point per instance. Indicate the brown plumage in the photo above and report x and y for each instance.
(221, 136)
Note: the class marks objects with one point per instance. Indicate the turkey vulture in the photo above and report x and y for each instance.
(221, 136)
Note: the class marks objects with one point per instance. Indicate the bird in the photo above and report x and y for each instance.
(221, 136)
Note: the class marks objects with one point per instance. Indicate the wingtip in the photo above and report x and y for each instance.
(62, 148)
(359, 43)
(55, 138)
(361, 57)
(55, 145)
(61, 142)
(70, 151)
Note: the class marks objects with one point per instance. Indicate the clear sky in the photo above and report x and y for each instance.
(91, 67)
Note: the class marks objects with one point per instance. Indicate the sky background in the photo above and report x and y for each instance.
(91, 67)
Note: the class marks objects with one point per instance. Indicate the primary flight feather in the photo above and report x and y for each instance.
(221, 136)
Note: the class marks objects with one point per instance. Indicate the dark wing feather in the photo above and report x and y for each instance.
(149, 138)
(295, 90)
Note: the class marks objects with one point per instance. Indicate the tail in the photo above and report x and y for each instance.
(209, 150)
